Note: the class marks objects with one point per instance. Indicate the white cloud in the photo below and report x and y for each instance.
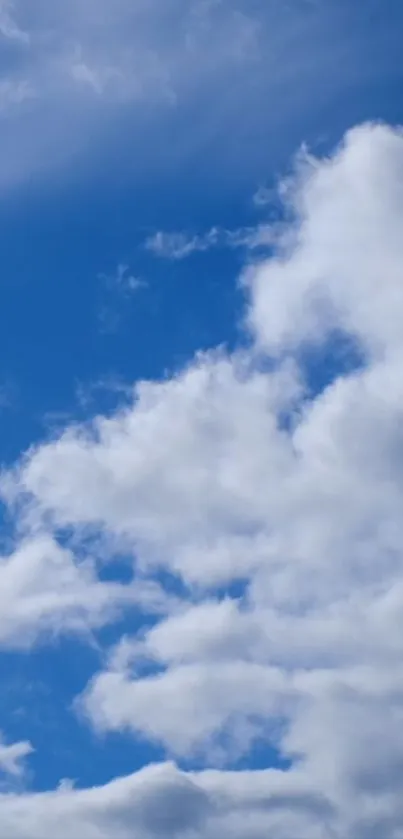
(233, 470)
(45, 589)
(12, 757)
(176, 475)
(190, 705)
(340, 263)
(180, 245)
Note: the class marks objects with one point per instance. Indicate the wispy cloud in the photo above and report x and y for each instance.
(264, 195)
(80, 65)
(14, 93)
(12, 757)
(82, 70)
(117, 289)
(8, 26)
(180, 245)
(123, 280)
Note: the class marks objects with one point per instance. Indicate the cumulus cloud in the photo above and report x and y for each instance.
(176, 475)
(339, 263)
(46, 588)
(162, 801)
(274, 508)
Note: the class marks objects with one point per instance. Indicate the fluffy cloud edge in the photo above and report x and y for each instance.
(233, 465)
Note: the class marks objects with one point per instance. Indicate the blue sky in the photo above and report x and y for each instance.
(201, 205)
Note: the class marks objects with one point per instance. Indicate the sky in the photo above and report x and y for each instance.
(201, 404)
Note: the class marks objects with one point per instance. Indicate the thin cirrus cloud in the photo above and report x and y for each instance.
(202, 482)
(117, 289)
(72, 72)
(180, 245)
(75, 68)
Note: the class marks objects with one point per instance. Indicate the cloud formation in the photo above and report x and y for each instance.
(12, 757)
(273, 508)
(48, 589)
(81, 76)
(180, 245)
(161, 801)
(72, 68)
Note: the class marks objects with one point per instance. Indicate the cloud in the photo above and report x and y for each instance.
(274, 510)
(122, 281)
(79, 78)
(162, 801)
(189, 706)
(9, 28)
(12, 757)
(129, 49)
(14, 93)
(118, 289)
(46, 589)
(339, 263)
(263, 196)
(180, 245)
(156, 473)
(71, 68)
